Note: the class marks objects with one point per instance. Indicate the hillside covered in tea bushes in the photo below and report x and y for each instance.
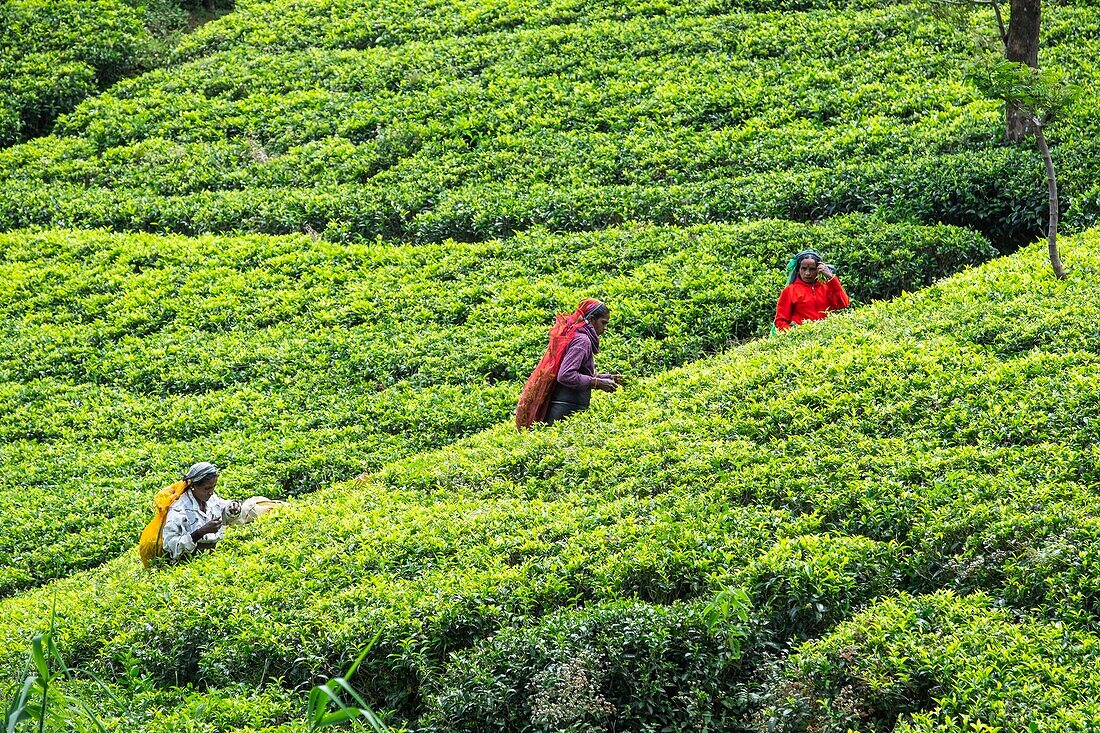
(471, 120)
(295, 362)
(323, 239)
(56, 53)
(911, 486)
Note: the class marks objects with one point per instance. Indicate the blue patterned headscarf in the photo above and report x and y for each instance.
(596, 309)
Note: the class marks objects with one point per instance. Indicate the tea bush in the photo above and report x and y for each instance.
(825, 471)
(297, 362)
(626, 666)
(55, 54)
(941, 663)
(470, 121)
(806, 584)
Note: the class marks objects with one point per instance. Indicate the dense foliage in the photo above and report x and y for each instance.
(56, 53)
(296, 362)
(942, 663)
(328, 237)
(472, 120)
(872, 455)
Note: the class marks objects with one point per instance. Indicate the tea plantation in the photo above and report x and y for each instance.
(56, 53)
(472, 120)
(928, 463)
(293, 362)
(320, 244)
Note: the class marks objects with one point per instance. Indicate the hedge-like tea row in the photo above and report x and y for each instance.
(878, 453)
(941, 663)
(515, 116)
(953, 189)
(56, 53)
(298, 362)
(349, 24)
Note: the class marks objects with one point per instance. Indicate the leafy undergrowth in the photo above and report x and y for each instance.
(294, 362)
(910, 489)
(473, 120)
(587, 575)
(940, 663)
(56, 53)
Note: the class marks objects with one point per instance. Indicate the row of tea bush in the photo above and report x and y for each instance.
(686, 530)
(56, 53)
(573, 120)
(297, 362)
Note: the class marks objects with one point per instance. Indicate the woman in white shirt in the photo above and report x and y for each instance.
(196, 520)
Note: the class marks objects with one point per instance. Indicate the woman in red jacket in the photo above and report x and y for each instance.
(813, 290)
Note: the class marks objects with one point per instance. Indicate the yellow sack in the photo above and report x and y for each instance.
(151, 543)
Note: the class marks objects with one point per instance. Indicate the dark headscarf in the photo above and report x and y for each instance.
(796, 262)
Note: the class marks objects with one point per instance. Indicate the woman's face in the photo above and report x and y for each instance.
(203, 490)
(599, 325)
(807, 270)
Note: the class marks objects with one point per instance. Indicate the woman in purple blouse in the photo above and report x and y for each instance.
(577, 374)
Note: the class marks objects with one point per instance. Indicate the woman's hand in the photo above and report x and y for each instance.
(606, 384)
(210, 527)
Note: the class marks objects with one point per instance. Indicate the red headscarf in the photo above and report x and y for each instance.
(535, 397)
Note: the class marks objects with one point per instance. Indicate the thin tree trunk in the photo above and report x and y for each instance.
(1000, 21)
(1052, 188)
(1022, 45)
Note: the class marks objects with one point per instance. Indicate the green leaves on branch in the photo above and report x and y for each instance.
(1038, 96)
(727, 614)
(1042, 94)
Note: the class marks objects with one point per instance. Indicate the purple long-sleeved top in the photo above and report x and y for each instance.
(578, 366)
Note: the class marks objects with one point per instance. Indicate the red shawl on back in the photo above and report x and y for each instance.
(535, 397)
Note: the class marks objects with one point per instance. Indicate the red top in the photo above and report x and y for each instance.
(800, 302)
